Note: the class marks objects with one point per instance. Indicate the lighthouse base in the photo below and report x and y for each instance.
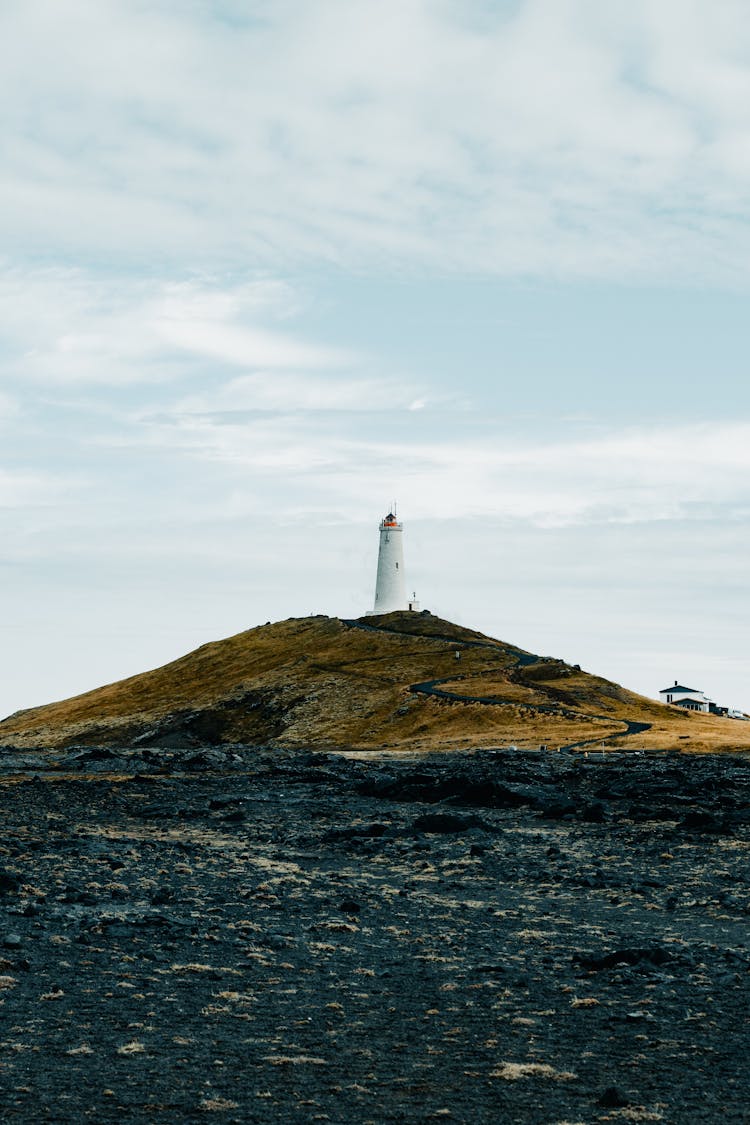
(411, 607)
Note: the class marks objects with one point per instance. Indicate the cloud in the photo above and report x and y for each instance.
(443, 468)
(70, 326)
(243, 347)
(23, 490)
(10, 408)
(290, 393)
(554, 137)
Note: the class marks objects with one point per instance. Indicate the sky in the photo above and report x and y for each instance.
(267, 266)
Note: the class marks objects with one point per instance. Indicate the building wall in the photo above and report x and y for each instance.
(682, 698)
(677, 696)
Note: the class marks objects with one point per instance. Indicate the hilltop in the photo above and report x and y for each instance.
(196, 918)
(392, 682)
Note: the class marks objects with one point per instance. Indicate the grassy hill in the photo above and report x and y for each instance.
(392, 682)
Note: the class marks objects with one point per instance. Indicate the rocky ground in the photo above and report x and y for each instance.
(240, 936)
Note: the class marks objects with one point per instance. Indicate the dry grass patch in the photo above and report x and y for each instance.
(637, 1113)
(198, 967)
(134, 1047)
(513, 1072)
(294, 1060)
(55, 994)
(328, 685)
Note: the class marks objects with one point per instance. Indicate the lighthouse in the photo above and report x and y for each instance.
(390, 584)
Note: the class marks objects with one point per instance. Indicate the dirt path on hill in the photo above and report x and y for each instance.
(523, 660)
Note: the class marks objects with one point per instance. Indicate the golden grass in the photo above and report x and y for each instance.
(134, 1047)
(294, 1060)
(513, 1072)
(318, 682)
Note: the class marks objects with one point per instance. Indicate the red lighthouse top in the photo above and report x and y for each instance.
(390, 520)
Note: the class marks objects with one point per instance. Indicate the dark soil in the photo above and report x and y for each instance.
(241, 936)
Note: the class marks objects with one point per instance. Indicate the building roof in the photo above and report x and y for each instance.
(680, 687)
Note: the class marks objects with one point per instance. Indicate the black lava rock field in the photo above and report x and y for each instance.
(239, 935)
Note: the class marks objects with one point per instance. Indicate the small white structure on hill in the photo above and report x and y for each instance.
(390, 584)
(689, 698)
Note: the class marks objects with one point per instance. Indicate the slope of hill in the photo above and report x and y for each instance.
(402, 681)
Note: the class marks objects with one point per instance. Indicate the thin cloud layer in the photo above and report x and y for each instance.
(647, 474)
(65, 326)
(23, 492)
(550, 137)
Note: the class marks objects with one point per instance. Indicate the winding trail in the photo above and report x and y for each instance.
(523, 660)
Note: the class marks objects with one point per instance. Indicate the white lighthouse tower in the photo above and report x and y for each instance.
(390, 584)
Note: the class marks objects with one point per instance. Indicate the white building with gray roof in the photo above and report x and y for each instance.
(689, 698)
